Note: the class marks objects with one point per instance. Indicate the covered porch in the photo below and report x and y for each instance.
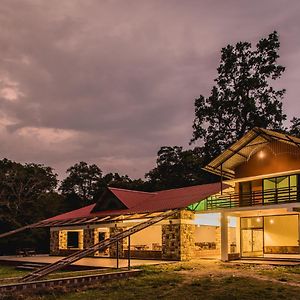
(263, 233)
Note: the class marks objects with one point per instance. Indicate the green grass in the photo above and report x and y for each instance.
(188, 281)
(10, 271)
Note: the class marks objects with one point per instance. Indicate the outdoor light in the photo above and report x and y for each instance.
(261, 154)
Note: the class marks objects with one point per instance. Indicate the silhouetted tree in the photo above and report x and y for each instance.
(27, 195)
(177, 168)
(83, 181)
(242, 97)
(295, 127)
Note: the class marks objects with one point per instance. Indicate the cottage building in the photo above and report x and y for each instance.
(252, 212)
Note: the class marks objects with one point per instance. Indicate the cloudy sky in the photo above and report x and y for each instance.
(109, 82)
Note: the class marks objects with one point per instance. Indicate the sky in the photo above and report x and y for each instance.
(109, 82)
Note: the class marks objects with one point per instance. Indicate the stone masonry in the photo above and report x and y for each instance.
(122, 243)
(54, 242)
(178, 241)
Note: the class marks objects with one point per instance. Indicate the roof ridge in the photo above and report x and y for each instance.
(132, 191)
(185, 187)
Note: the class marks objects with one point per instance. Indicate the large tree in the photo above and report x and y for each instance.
(177, 168)
(83, 182)
(242, 97)
(27, 195)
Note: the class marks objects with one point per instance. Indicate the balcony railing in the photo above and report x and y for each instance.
(265, 197)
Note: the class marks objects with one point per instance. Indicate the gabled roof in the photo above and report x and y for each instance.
(242, 149)
(142, 202)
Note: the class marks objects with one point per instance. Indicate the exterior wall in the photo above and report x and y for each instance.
(276, 157)
(90, 238)
(122, 243)
(178, 237)
(54, 242)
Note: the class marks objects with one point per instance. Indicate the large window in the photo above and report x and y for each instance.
(280, 189)
(269, 235)
(281, 234)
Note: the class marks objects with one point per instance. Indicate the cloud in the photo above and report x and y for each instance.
(109, 82)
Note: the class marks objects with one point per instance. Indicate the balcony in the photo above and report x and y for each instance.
(254, 198)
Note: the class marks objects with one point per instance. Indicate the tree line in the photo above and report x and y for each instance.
(242, 97)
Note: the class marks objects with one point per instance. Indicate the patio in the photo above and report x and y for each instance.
(92, 262)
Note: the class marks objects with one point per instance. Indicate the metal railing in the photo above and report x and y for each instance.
(261, 197)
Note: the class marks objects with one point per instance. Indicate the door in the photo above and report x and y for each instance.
(252, 242)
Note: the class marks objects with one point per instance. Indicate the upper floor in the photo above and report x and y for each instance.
(262, 168)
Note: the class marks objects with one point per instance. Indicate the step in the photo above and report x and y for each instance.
(25, 268)
(37, 265)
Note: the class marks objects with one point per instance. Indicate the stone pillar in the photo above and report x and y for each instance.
(122, 243)
(224, 237)
(54, 242)
(89, 238)
(178, 237)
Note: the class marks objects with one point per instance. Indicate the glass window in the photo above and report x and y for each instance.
(281, 234)
(282, 182)
(269, 190)
(256, 222)
(293, 180)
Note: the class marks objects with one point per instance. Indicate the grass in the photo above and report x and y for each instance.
(193, 280)
(10, 271)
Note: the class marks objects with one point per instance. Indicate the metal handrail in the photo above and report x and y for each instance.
(261, 197)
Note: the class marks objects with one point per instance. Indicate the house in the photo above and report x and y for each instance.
(252, 212)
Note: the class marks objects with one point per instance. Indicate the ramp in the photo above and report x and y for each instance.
(37, 274)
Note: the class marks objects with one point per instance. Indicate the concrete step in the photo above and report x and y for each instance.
(29, 266)
(25, 268)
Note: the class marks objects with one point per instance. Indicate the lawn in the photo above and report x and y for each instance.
(9, 271)
(194, 280)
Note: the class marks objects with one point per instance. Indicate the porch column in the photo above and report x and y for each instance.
(224, 237)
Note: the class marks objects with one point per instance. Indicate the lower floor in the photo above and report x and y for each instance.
(268, 233)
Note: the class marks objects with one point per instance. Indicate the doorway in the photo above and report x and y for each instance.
(252, 242)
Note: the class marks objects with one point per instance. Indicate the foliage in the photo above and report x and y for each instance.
(177, 168)
(295, 127)
(83, 181)
(27, 195)
(123, 181)
(242, 97)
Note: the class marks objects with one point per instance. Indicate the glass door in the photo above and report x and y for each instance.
(252, 242)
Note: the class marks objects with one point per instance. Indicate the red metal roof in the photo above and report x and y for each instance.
(141, 202)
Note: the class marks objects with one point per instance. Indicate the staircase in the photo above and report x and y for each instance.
(37, 274)
(29, 266)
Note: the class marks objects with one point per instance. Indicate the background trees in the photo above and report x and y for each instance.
(27, 195)
(82, 183)
(242, 97)
(177, 168)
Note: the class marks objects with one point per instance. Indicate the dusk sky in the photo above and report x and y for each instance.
(110, 82)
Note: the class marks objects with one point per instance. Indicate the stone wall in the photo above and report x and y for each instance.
(122, 243)
(178, 237)
(54, 242)
(90, 238)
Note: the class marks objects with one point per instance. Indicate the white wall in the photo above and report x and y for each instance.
(205, 234)
(147, 236)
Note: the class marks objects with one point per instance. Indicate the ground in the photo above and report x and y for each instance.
(203, 279)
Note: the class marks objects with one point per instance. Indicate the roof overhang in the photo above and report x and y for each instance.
(241, 151)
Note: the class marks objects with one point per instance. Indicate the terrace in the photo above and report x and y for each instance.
(253, 198)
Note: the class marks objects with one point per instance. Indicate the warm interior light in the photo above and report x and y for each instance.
(261, 154)
(258, 219)
(271, 221)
